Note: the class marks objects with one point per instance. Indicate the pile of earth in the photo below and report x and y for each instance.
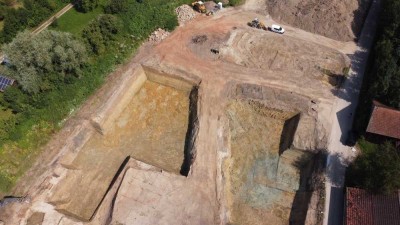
(336, 19)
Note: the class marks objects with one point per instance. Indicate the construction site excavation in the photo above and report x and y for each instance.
(216, 122)
(153, 122)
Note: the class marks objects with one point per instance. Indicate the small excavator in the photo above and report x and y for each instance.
(199, 7)
(257, 24)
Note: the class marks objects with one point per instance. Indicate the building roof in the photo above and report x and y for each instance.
(384, 121)
(365, 208)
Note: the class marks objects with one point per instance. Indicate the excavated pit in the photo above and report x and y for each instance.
(155, 123)
(261, 173)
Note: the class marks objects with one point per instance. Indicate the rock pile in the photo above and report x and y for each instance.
(185, 13)
(158, 35)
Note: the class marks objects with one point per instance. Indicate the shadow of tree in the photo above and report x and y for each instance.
(311, 182)
(359, 16)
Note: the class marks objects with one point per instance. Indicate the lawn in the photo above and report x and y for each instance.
(74, 22)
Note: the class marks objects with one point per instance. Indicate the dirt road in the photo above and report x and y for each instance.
(47, 23)
(342, 120)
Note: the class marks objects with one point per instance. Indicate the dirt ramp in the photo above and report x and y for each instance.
(336, 19)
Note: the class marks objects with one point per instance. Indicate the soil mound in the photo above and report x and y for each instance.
(336, 19)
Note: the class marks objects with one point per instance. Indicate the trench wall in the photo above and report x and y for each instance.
(95, 165)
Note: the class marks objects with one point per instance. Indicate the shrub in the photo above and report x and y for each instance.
(86, 5)
(101, 32)
(117, 6)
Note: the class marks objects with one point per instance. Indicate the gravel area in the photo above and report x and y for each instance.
(185, 13)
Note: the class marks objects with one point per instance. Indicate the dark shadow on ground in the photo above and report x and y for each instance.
(345, 119)
(336, 216)
(360, 15)
(289, 129)
(311, 181)
(191, 133)
(335, 168)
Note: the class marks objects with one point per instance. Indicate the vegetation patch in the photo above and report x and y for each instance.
(17, 15)
(376, 169)
(37, 114)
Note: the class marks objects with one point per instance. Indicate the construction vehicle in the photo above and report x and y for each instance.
(257, 24)
(199, 7)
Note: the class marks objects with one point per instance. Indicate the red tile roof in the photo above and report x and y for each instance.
(364, 208)
(384, 121)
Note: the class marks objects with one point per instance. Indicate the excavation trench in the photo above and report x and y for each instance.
(261, 173)
(153, 120)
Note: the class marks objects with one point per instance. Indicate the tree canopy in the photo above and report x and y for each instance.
(376, 169)
(101, 32)
(386, 70)
(39, 62)
(87, 5)
(117, 6)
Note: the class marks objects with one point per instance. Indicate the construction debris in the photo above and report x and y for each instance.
(215, 51)
(158, 35)
(199, 39)
(185, 13)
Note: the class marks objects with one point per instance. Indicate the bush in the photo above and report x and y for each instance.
(116, 6)
(101, 32)
(86, 5)
(376, 169)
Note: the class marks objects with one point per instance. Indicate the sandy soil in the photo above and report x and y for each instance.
(238, 70)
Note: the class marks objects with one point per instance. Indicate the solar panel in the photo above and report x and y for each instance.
(5, 82)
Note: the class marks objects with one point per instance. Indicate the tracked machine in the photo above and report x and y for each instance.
(199, 7)
(257, 24)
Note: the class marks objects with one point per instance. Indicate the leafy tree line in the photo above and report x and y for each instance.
(385, 84)
(378, 166)
(30, 15)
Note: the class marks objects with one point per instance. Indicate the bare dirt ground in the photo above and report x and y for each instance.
(282, 74)
(336, 19)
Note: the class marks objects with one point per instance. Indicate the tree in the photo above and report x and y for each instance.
(37, 60)
(376, 169)
(10, 3)
(87, 5)
(117, 6)
(15, 20)
(101, 32)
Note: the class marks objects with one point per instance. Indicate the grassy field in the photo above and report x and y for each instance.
(35, 127)
(74, 22)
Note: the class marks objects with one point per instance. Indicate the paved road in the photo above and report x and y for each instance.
(342, 120)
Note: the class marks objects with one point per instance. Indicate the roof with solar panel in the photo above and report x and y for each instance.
(5, 82)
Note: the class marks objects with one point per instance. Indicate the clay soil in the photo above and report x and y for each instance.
(336, 19)
(152, 129)
(252, 169)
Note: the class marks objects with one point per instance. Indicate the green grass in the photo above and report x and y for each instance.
(366, 146)
(74, 22)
